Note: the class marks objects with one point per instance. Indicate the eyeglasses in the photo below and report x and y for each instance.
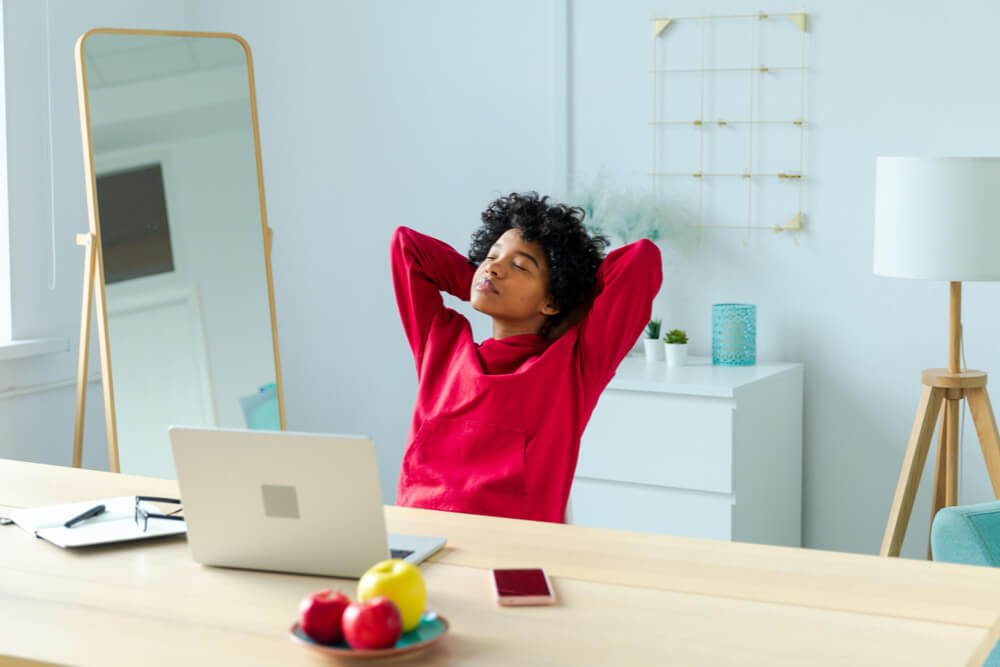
(142, 515)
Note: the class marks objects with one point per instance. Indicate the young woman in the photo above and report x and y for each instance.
(496, 426)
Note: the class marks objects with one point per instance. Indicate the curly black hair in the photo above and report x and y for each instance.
(573, 254)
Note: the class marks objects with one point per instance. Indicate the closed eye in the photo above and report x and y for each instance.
(516, 266)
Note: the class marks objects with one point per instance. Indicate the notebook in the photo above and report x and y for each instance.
(116, 524)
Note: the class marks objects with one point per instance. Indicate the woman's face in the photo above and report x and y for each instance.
(512, 283)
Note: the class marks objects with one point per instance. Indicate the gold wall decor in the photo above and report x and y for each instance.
(728, 120)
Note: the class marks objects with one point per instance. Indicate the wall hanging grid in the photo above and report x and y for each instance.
(794, 118)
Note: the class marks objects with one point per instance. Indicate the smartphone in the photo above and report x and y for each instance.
(522, 587)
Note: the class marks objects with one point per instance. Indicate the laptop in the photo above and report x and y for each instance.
(286, 502)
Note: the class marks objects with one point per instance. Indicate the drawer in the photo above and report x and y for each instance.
(659, 439)
(649, 509)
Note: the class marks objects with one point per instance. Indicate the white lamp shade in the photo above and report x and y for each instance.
(938, 218)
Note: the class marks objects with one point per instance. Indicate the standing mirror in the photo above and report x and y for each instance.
(178, 253)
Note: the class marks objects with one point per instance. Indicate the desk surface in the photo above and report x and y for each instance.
(625, 598)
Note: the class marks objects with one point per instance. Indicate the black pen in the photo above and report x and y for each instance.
(92, 512)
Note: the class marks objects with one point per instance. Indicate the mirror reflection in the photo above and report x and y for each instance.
(182, 234)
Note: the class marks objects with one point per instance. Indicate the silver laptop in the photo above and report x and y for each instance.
(288, 502)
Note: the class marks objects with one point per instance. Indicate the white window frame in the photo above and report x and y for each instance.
(9, 347)
(6, 323)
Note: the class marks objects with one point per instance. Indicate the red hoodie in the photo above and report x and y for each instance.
(496, 426)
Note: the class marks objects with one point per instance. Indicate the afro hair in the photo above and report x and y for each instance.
(573, 254)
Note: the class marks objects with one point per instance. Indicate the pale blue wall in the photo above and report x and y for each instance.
(374, 115)
(883, 80)
(371, 116)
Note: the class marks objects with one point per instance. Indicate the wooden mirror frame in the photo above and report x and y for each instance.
(94, 262)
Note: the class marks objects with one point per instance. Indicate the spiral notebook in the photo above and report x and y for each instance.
(116, 524)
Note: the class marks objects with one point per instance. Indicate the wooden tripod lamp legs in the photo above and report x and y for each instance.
(986, 428)
(940, 467)
(944, 389)
(913, 465)
(943, 400)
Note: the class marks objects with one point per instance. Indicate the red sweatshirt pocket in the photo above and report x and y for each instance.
(466, 466)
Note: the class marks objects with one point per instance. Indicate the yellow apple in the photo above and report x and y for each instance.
(399, 581)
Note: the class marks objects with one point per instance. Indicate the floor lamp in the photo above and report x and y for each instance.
(939, 219)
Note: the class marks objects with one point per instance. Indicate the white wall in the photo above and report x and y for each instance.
(883, 80)
(412, 119)
(5, 319)
(419, 114)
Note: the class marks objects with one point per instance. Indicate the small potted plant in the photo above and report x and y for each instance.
(654, 351)
(675, 343)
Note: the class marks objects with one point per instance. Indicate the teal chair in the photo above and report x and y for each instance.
(970, 535)
(261, 409)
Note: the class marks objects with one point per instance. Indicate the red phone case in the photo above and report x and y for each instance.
(521, 599)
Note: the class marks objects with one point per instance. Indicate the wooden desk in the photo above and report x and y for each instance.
(625, 598)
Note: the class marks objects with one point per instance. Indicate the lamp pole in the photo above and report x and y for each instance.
(955, 327)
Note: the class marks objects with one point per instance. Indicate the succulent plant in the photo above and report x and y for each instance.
(675, 337)
(653, 329)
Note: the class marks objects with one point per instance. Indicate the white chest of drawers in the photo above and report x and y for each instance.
(697, 451)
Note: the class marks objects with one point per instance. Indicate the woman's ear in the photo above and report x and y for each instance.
(550, 307)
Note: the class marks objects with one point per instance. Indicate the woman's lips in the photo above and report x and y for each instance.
(486, 285)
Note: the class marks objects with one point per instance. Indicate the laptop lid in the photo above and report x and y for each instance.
(279, 500)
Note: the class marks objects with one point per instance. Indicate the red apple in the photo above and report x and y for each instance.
(320, 615)
(374, 623)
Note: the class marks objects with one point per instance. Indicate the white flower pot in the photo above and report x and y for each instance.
(654, 349)
(677, 353)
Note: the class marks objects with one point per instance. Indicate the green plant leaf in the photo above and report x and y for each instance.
(676, 337)
(653, 329)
